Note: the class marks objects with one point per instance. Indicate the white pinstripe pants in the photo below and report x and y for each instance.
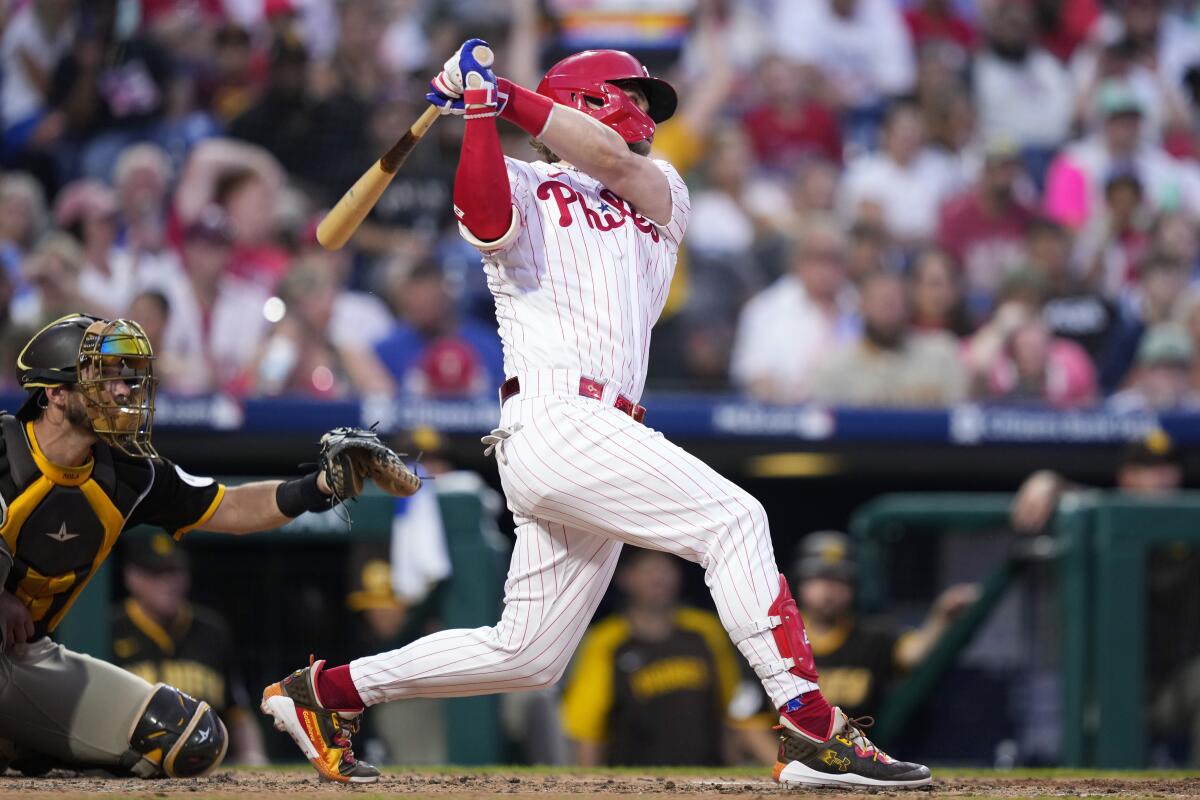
(582, 479)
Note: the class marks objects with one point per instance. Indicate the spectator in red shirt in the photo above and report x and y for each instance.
(791, 124)
(934, 22)
(984, 228)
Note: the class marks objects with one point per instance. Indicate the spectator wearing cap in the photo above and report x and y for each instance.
(1115, 241)
(902, 187)
(431, 351)
(861, 658)
(1075, 182)
(1111, 57)
(1161, 378)
(1161, 283)
(160, 636)
(810, 309)
(231, 81)
(984, 227)
(891, 364)
(1022, 93)
(1071, 310)
(217, 319)
(863, 48)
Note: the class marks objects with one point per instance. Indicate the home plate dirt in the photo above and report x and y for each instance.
(527, 783)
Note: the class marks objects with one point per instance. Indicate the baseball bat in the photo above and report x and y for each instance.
(344, 218)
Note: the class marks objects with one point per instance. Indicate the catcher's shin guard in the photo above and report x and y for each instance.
(322, 734)
(176, 736)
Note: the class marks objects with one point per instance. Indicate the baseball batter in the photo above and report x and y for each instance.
(77, 468)
(579, 250)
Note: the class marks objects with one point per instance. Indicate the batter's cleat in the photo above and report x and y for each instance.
(845, 759)
(322, 735)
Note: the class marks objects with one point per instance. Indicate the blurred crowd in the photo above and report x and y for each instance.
(895, 202)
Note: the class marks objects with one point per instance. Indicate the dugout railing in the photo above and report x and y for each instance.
(1099, 543)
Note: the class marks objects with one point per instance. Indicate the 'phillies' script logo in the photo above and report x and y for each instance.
(612, 214)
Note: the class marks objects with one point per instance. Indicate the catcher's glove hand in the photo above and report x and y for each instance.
(350, 455)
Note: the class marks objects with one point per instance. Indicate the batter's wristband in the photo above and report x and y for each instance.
(528, 110)
(294, 497)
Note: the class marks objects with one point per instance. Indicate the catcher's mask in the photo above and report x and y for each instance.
(110, 364)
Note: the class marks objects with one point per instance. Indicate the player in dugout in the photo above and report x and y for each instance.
(160, 635)
(655, 659)
(77, 469)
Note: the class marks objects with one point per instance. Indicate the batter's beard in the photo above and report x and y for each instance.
(642, 148)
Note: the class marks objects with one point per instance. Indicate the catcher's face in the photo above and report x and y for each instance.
(117, 383)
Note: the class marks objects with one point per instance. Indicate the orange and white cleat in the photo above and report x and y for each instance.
(321, 734)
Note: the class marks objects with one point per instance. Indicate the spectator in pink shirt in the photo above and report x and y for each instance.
(1075, 182)
(1015, 358)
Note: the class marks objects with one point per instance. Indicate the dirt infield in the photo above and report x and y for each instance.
(529, 784)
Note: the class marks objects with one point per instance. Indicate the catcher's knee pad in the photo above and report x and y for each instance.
(176, 736)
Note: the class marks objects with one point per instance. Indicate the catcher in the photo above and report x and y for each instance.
(76, 469)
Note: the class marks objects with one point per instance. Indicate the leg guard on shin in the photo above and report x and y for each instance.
(176, 736)
(784, 622)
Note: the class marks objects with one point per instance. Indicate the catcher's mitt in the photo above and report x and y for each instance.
(350, 455)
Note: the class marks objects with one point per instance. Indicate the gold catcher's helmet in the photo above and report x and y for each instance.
(110, 363)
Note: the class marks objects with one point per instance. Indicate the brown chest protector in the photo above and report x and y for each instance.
(57, 529)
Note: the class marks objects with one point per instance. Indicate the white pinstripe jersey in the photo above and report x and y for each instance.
(586, 277)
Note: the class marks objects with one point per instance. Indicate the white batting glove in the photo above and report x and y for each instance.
(448, 83)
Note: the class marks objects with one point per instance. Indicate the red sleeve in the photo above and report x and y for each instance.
(482, 195)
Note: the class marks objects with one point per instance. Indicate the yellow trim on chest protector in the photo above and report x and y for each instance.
(38, 591)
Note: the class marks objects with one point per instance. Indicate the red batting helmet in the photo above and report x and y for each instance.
(590, 75)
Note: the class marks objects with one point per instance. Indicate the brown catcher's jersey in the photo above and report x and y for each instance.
(59, 523)
(194, 653)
